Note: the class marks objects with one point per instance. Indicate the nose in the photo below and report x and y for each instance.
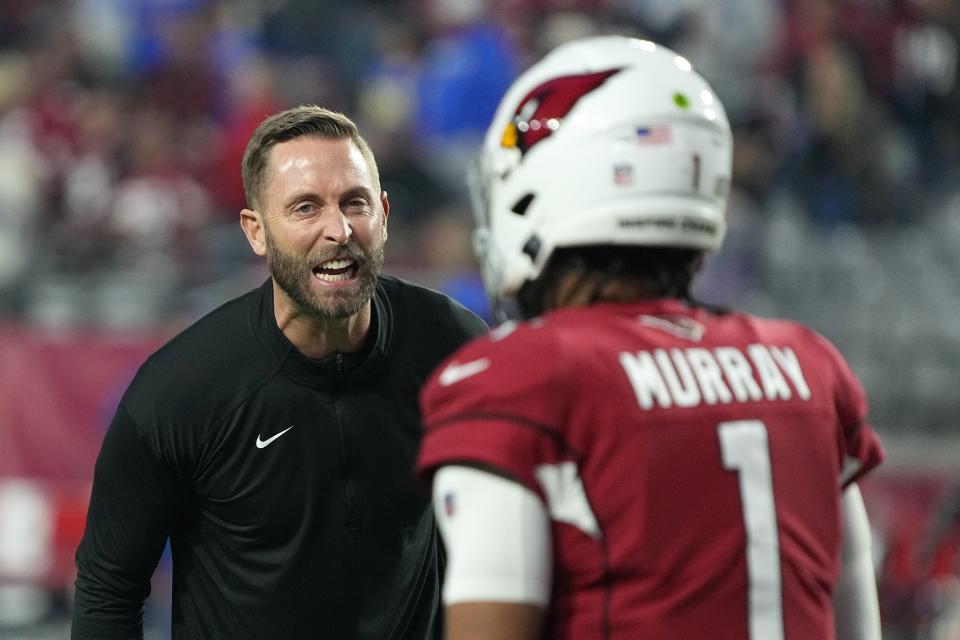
(338, 228)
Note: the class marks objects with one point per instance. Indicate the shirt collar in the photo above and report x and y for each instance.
(333, 371)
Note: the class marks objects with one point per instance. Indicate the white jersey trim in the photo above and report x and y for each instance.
(566, 497)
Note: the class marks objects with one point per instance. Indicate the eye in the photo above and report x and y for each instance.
(356, 204)
(306, 208)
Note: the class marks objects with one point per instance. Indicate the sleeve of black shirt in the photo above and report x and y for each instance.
(458, 325)
(135, 500)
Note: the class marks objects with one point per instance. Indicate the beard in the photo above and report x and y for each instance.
(293, 275)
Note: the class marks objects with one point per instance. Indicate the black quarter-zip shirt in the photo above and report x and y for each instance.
(284, 484)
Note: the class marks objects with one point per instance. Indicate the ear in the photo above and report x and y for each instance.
(253, 228)
(385, 205)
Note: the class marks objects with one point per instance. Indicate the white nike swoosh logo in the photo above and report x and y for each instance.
(456, 372)
(262, 443)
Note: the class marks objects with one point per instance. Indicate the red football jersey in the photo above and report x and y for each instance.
(691, 463)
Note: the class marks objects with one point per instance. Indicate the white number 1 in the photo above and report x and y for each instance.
(744, 447)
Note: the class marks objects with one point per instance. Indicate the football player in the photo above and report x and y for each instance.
(628, 463)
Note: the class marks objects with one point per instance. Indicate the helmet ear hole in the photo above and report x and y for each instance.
(520, 206)
(532, 247)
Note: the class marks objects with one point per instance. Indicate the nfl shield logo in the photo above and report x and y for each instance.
(623, 174)
(448, 504)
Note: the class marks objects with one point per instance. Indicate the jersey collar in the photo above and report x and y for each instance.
(334, 371)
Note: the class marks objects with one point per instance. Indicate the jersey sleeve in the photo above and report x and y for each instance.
(861, 449)
(134, 501)
(497, 403)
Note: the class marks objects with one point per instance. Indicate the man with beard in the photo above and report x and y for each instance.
(273, 441)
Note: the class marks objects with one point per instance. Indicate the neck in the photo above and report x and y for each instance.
(576, 289)
(320, 337)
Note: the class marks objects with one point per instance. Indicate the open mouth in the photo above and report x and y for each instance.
(340, 270)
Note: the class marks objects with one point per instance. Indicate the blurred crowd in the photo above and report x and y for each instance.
(122, 124)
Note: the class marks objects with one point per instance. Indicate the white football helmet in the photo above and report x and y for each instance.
(606, 141)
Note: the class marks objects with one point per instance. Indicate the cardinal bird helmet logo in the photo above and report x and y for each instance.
(541, 111)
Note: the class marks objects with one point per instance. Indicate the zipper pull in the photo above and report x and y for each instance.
(339, 362)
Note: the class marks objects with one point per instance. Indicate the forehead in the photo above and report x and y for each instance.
(314, 162)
